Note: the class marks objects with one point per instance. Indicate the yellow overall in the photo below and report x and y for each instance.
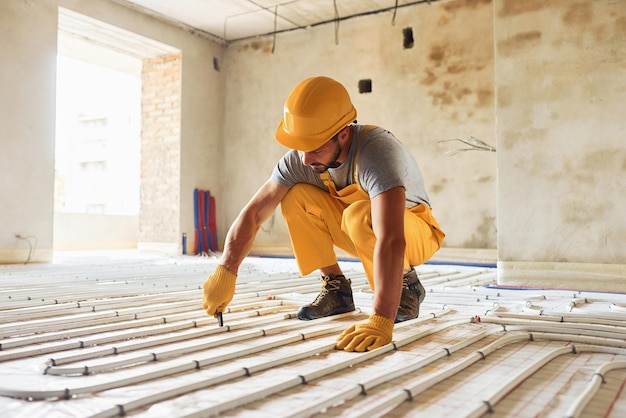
(319, 220)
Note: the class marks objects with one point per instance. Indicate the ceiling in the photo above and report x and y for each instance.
(232, 20)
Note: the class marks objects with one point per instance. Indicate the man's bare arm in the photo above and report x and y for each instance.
(388, 225)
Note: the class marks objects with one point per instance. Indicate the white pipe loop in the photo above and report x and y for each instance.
(250, 370)
(608, 331)
(587, 317)
(168, 354)
(68, 345)
(387, 403)
(300, 379)
(168, 371)
(597, 379)
(342, 395)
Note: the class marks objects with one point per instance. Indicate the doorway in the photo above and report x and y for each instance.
(100, 137)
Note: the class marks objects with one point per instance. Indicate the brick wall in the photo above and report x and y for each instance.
(159, 218)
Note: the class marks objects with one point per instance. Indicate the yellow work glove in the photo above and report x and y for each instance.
(219, 289)
(361, 337)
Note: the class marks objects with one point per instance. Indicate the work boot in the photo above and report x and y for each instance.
(335, 298)
(413, 294)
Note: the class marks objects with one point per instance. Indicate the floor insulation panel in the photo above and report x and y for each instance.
(113, 334)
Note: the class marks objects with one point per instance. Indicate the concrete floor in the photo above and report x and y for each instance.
(113, 333)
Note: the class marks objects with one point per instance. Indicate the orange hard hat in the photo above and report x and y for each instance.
(315, 111)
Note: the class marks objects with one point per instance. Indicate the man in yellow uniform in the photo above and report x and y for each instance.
(342, 184)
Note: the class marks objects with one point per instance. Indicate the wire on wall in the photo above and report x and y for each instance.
(395, 10)
(275, 23)
(31, 247)
(474, 143)
(336, 23)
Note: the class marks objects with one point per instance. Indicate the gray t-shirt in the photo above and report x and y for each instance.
(382, 164)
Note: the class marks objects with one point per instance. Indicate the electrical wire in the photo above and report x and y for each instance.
(31, 247)
(336, 22)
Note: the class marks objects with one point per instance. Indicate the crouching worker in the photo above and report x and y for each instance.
(346, 185)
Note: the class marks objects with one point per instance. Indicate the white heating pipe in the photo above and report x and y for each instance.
(168, 354)
(598, 378)
(387, 403)
(341, 395)
(298, 380)
(587, 317)
(487, 405)
(88, 342)
(169, 371)
(264, 366)
(589, 329)
(67, 393)
(122, 410)
(41, 328)
(105, 351)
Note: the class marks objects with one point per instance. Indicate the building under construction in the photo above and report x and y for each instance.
(112, 217)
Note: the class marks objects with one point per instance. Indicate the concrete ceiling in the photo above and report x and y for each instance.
(232, 20)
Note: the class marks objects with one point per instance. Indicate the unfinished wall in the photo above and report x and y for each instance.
(27, 116)
(561, 143)
(440, 88)
(160, 151)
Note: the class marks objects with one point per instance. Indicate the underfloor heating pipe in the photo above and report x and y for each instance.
(463, 278)
(169, 354)
(170, 323)
(342, 395)
(305, 379)
(477, 293)
(535, 334)
(120, 410)
(597, 379)
(549, 316)
(387, 403)
(486, 405)
(35, 297)
(589, 329)
(129, 347)
(194, 365)
(483, 280)
(39, 326)
(85, 311)
(92, 300)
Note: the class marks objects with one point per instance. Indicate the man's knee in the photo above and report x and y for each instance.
(298, 198)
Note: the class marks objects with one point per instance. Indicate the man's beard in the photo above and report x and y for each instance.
(320, 168)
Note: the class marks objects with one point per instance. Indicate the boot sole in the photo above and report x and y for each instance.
(307, 316)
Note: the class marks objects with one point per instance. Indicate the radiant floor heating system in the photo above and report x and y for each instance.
(124, 334)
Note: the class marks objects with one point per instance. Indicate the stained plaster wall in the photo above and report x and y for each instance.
(561, 101)
(441, 88)
(27, 113)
